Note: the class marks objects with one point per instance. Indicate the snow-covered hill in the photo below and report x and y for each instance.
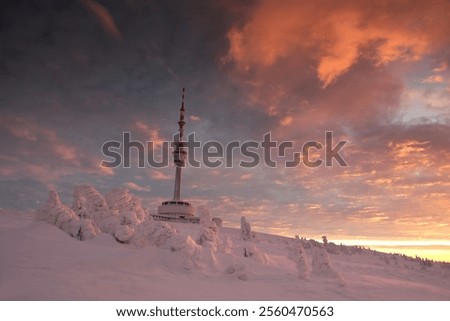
(39, 261)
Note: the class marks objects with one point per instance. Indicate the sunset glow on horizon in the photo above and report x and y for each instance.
(76, 74)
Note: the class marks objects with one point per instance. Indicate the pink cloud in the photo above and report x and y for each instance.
(159, 175)
(46, 156)
(150, 133)
(336, 35)
(136, 187)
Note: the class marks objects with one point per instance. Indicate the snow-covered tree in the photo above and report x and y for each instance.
(143, 233)
(321, 262)
(88, 203)
(226, 246)
(88, 230)
(60, 215)
(191, 253)
(49, 212)
(208, 229)
(299, 257)
(124, 233)
(251, 250)
(246, 230)
(163, 232)
(321, 265)
(127, 206)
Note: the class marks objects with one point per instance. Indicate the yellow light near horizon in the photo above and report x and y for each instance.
(436, 254)
(438, 250)
(393, 243)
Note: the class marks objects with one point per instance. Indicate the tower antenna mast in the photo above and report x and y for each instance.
(179, 154)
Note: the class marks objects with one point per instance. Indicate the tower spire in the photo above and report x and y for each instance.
(181, 122)
(179, 154)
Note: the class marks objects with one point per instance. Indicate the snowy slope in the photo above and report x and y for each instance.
(39, 261)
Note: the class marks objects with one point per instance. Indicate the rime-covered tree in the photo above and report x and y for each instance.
(90, 204)
(60, 215)
(246, 230)
(209, 230)
(299, 258)
(127, 206)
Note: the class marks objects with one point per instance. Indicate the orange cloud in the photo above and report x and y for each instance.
(246, 176)
(286, 121)
(433, 79)
(441, 68)
(336, 35)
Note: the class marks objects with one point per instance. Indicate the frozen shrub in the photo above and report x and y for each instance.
(218, 221)
(332, 248)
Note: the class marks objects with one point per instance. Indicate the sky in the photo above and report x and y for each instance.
(77, 74)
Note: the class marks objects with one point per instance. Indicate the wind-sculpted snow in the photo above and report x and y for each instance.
(143, 259)
(238, 270)
(252, 251)
(190, 252)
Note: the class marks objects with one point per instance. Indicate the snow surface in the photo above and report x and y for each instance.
(39, 260)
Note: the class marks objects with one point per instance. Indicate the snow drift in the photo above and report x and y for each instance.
(109, 248)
